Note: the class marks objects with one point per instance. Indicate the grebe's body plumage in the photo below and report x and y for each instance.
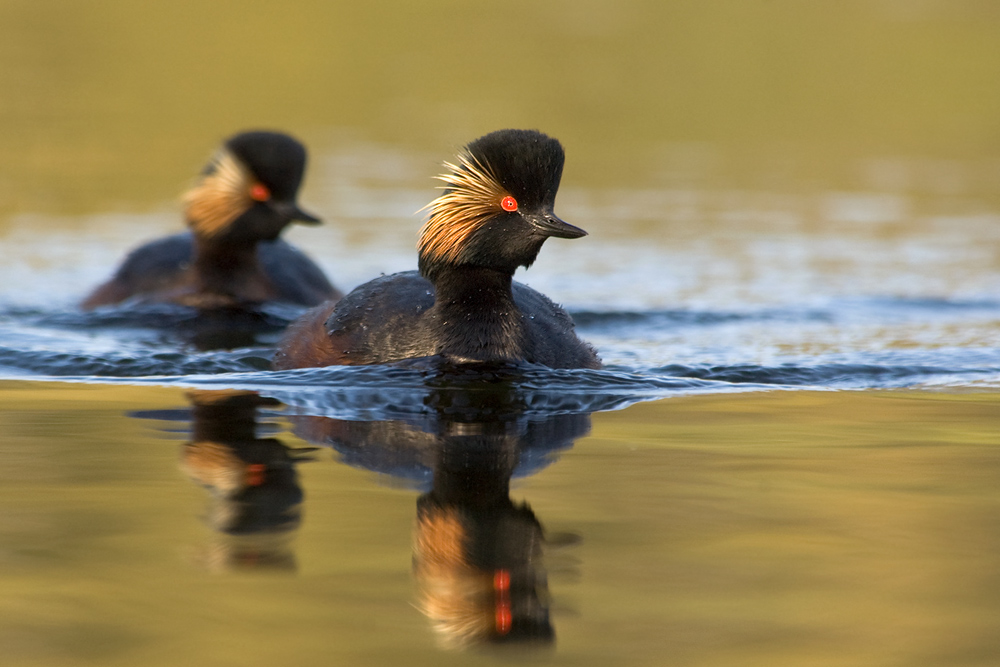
(494, 216)
(232, 256)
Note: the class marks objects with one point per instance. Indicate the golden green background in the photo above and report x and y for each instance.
(109, 103)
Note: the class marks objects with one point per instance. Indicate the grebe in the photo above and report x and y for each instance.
(232, 256)
(463, 305)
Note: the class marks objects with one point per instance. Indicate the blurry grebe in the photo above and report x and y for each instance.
(232, 256)
(494, 216)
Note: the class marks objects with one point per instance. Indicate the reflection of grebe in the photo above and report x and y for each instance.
(478, 556)
(478, 561)
(467, 602)
(232, 257)
(494, 216)
(256, 496)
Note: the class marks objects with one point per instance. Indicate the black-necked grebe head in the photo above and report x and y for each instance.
(248, 190)
(497, 206)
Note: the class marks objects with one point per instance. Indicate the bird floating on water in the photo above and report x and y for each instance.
(232, 256)
(463, 304)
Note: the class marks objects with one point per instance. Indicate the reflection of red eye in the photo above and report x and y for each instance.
(504, 618)
(256, 474)
(259, 192)
(501, 587)
(508, 203)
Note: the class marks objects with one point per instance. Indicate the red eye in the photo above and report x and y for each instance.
(259, 192)
(508, 203)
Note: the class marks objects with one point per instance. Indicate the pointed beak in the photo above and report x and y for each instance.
(291, 210)
(550, 225)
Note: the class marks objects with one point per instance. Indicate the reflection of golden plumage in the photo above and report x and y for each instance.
(440, 540)
(213, 465)
(479, 573)
(454, 595)
(217, 467)
(256, 499)
(478, 557)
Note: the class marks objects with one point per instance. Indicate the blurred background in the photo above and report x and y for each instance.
(111, 104)
(686, 124)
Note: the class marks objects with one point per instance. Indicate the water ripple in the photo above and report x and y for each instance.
(652, 354)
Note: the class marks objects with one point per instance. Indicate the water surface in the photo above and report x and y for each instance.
(785, 527)
(792, 275)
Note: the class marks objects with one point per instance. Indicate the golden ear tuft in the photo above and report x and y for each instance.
(220, 197)
(473, 195)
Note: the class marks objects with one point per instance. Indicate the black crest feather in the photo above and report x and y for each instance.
(528, 163)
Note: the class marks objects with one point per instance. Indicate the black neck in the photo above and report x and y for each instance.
(220, 263)
(475, 315)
